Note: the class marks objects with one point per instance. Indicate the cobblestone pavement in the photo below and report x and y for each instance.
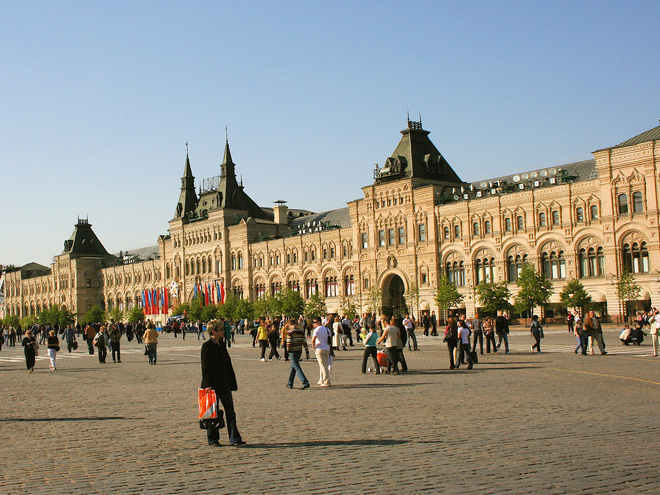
(553, 422)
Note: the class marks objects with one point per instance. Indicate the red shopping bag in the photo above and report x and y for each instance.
(208, 404)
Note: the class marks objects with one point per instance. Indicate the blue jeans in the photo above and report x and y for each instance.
(295, 368)
(504, 337)
(151, 352)
(212, 434)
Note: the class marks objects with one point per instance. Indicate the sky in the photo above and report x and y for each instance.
(99, 99)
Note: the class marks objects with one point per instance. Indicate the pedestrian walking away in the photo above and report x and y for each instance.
(321, 345)
(537, 332)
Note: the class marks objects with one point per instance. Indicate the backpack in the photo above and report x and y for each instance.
(452, 332)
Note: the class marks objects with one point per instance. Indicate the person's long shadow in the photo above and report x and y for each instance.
(46, 420)
(326, 443)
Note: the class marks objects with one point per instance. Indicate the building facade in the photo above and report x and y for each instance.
(418, 221)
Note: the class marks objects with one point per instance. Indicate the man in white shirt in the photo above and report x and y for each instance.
(409, 323)
(321, 345)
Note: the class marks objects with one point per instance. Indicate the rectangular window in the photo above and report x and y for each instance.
(555, 217)
(487, 227)
(507, 224)
(446, 232)
(579, 214)
(365, 240)
(390, 237)
(381, 238)
(421, 229)
(402, 235)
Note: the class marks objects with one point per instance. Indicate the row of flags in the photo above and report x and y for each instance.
(157, 301)
(213, 293)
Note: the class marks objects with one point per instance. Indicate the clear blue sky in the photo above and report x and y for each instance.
(99, 98)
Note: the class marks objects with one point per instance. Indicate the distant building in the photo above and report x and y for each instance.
(591, 220)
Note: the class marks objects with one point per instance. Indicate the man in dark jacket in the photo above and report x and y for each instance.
(218, 374)
(502, 329)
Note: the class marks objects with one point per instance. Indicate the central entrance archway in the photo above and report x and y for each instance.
(394, 302)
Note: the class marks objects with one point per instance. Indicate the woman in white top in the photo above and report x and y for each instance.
(392, 338)
(338, 336)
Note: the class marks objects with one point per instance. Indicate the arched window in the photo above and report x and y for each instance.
(594, 212)
(591, 262)
(623, 204)
(487, 227)
(542, 220)
(554, 264)
(507, 224)
(555, 217)
(579, 214)
(446, 232)
(514, 265)
(233, 262)
(456, 272)
(240, 261)
(635, 258)
(485, 270)
(638, 204)
(475, 228)
(457, 231)
(520, 222)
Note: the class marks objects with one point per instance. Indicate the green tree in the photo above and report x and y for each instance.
(412, 297)
(195, 311)
(347, 307)
(226, 309)
(627, 290)
(135, 315)
(264, 307)
(115, 314)
(210, 312)
(574, 295)
(181, 309)
(292, 303)
(28, 321)
(447, 295)
(11, 320)
(94, 315)
(534, 289)
(493, 296)
(243, 309)
(374, 298)
(315, 307)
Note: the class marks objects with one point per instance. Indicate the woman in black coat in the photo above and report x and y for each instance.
(30, 345)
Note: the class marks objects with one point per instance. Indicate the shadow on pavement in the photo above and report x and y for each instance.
(325, 443)
(45, 420)
(372, 385)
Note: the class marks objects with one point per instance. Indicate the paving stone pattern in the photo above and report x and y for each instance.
(525, 422)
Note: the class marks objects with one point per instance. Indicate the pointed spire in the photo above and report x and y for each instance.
(227, 166)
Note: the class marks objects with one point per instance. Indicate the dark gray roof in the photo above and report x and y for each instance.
(340, 218)
(141, 254)
(577, 171)
(644, 137)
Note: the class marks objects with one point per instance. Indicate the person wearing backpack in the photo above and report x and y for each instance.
(451, 338)
(101, 342)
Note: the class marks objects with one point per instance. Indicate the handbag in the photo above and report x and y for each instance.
(213, 423)
(35, 345)
(74, 345)
(146, 350)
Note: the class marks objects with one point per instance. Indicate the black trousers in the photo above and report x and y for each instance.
(537, 344)
(451, 345)
(465, 351)
(264, 346)
(490, 338)
(478, 334)
(273, 350)
(116, 352)
(103, 352)
(392, 358)
(373, 352)
(90, 345)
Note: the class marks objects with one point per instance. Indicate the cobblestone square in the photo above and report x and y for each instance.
(553, 422)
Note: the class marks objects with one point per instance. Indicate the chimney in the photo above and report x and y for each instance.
(280, 209)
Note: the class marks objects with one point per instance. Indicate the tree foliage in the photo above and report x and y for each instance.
(243, 309)
(447, 296)
(28, 321)
(264, 307)
(94, 315)
(291, 303)
(56, 316)
(534, 289)
(315, 306)
(115, 314)
(493, 296)
(11, 320)
(211, 312)
(226, 309)
(574, 295)
(374, 298)
(412, 297)
(135, 315)
(347, 307)
(627, 288)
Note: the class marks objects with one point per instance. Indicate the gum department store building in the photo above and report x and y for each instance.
(590, 220)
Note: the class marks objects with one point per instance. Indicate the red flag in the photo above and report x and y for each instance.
(212, 294)
(222, 293)
(167, 301)
(145, 303)
(206, 295)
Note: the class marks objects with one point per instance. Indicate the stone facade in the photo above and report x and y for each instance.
(590, 220)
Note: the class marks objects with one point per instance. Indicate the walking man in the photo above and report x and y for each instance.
(218, 374)
(295, 341)
(502, 329)
(410, 330)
